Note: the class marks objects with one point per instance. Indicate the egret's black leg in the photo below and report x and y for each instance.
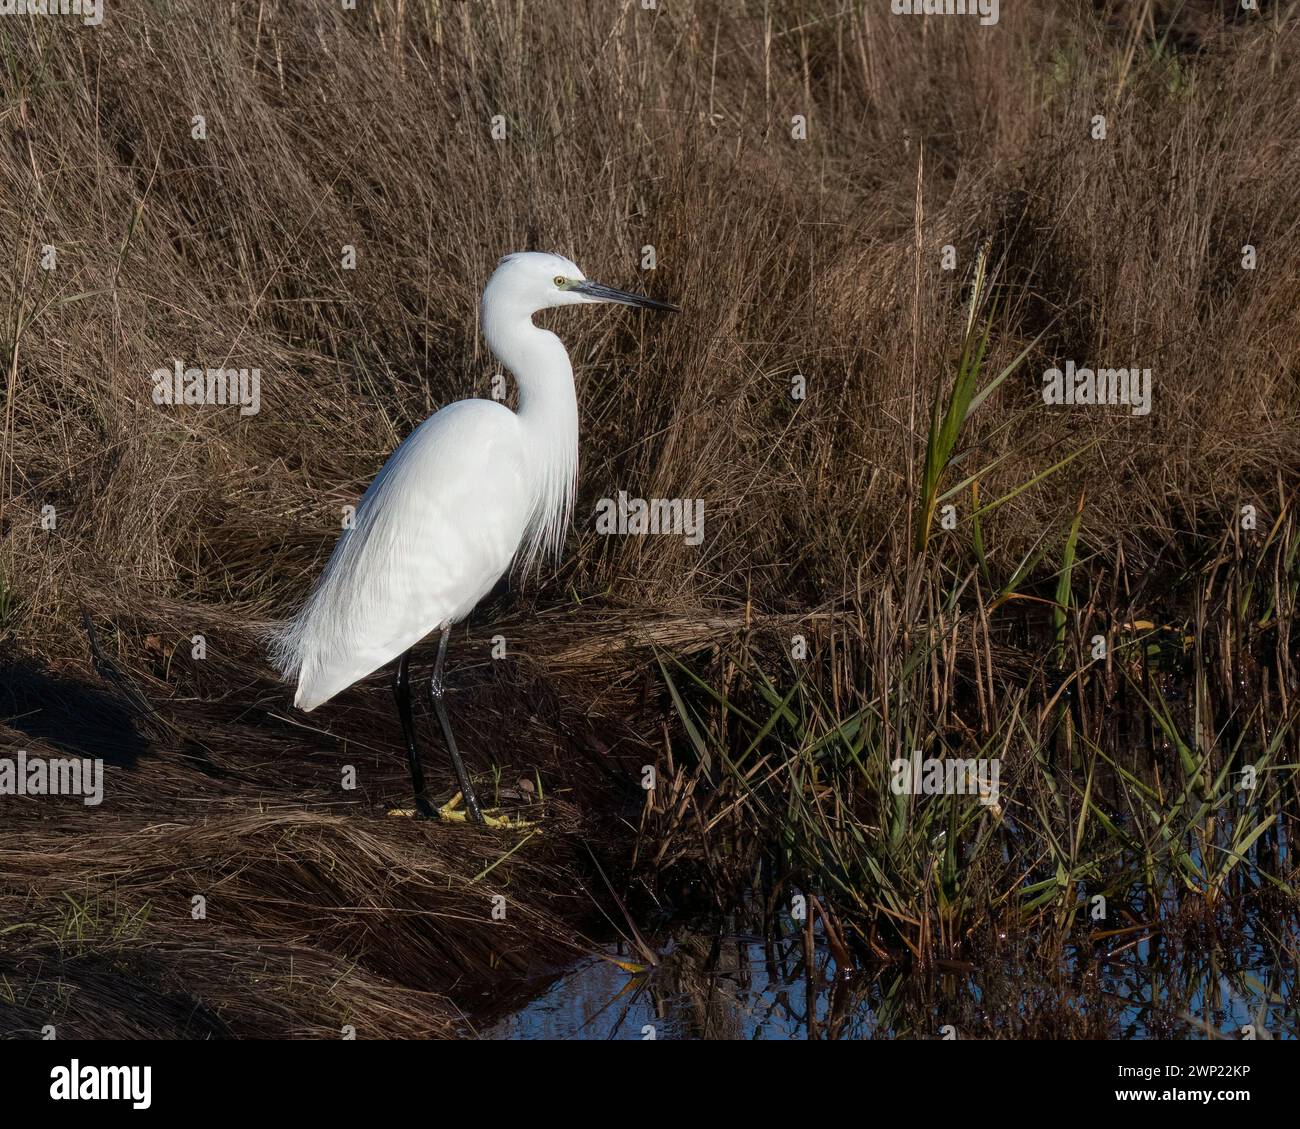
(402, 692)
(435, 692)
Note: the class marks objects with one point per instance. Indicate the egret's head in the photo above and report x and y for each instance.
(537, 280)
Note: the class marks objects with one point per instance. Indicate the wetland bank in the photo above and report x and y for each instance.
(912, 556)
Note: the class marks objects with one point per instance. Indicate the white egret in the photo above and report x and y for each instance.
(449, 511)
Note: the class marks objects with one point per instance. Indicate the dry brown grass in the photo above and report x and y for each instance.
(626, 128)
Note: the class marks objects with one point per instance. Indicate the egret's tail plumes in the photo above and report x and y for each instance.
(340, 634)
(286, 646)
(283, 644)
(301, 649)
(344, 630)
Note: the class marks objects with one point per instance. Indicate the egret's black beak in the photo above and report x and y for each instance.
(601, 293)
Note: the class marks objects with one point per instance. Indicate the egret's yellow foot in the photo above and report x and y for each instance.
(452, 812)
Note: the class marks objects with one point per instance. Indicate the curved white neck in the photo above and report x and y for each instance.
(548, 415)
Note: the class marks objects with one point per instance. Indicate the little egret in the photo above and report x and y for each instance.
(470, 488)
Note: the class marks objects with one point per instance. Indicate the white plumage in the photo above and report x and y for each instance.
(454, 504)
(423, 551)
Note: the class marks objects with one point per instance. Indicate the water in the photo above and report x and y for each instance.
(723, 984)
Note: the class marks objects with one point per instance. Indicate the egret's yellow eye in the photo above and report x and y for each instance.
(560, 280)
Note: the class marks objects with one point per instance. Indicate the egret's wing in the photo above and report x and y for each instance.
(437, 528)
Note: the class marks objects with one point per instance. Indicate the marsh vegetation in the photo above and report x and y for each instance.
(915, 553)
